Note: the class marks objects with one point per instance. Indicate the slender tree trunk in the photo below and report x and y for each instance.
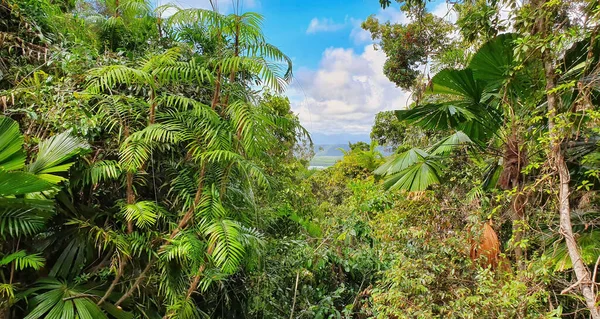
(582, 273)
(518, 222)
(183, 223)
(196, 281)
(511, 178)
(216, 94)
(4, 312)
(159, 26)
(130, 198)
(543, 27)
(137, 282)
(114, 283)
(152, 116)
(236, 53)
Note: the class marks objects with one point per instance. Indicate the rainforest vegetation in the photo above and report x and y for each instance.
(151, 167)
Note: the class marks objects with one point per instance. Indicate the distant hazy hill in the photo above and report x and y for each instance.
(327, 154)
(330, 149)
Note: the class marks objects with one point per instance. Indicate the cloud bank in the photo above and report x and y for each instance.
(345, 92)
(324, 25)
(348, 89)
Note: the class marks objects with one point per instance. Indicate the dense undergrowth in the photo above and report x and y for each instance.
(151, 166)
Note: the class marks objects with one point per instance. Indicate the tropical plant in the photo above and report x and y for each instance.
(26, 192)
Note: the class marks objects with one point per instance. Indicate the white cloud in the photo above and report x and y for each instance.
(345, 92)
(358, 34)
(324, 25)
(393, 15)
(444, 10)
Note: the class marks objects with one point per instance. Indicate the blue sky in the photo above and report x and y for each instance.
(339, 84)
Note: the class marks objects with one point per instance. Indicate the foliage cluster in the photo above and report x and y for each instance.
(151, 167)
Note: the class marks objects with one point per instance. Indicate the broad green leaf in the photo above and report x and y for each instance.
(44, 303)
(23, 260)
(52, 155)
(415, 178)
(20, 222)
(12, 156)
(459, 83)
(449, 143)
(143, 213)
(441, 116)
(493, 61)
(19, 183)
(401, 161)
(116, 312)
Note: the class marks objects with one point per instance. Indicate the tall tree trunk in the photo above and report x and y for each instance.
(517, 228)
(130, 196)
(183, 223)
(114, 283)
(582, 273)
(515, 158)
(236, 53)
(196, 280)
(4, 312)
(137, 282)
(152, 116)
(216, 94)
(543, 27)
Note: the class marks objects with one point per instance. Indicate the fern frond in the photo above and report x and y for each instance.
(101, 171)
(228, 251)
(23, 260)
(20, 222)
(143, 213)
(106, 78)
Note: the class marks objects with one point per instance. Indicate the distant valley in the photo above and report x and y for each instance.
(328, 154)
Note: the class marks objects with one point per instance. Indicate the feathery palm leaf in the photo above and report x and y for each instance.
(20, 222)
(143, 213)
(60, 300)
(23, 260)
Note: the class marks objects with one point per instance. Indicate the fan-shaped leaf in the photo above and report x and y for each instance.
(12, 156)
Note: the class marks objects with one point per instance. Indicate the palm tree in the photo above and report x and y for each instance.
(211, 142)
(26, 192)
(482, 104)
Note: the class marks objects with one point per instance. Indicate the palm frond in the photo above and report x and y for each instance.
(20, 222)
(19, 183)
(108, 77)
(23, 260)
(418, 177)
(54, 155)
(401, 161)
(12, 156)
(224, 235)
(450, 143)
(101, 171)
(143, 213)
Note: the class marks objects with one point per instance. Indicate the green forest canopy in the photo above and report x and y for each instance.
(151, 167)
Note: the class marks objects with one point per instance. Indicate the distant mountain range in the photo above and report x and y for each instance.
(327, 154)
(334, 149)
(330, 149)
